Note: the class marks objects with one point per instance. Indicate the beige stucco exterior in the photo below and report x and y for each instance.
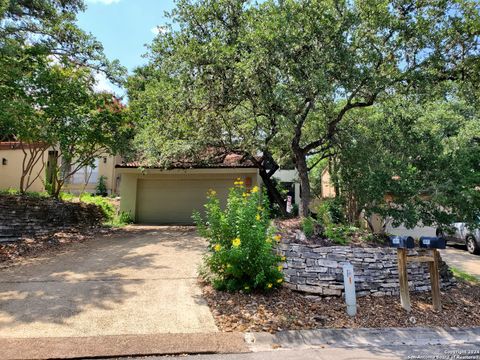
(11, 172)
(171, 196)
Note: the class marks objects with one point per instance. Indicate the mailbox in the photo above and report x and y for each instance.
(402, 242)
(427, 242)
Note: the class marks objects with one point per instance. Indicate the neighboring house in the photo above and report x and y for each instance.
(159, 196)
(328, 190)
(86, 179)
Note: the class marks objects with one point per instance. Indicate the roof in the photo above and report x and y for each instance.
(231, 160)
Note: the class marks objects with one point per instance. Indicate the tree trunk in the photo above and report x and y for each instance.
(273, 192)
(302, 168)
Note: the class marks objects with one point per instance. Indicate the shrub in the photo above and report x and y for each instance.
(340, 234)
(101, 188)
(241, 255)
(330, 211)
(124, 218)
(308, 226)
(107, 208)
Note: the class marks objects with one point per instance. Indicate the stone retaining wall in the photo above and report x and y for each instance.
(22, 216)
(318, 270)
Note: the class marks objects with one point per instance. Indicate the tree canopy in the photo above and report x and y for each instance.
(281, 76)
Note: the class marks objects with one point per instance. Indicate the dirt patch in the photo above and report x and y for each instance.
(287, 310)
(44, 245)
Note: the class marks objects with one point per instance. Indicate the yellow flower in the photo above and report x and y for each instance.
(269, 285)
(236, 242)
(280, 267)
(255, 189)
(218, 247)
(238, 181)
(258, 217)
(279, 281)
(284, 258)
(212, 192)
(245, 195)
(277, 238)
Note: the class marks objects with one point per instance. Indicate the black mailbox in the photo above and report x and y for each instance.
(402, 242)
(432, 242)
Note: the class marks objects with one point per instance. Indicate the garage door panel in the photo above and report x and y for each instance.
(173, 201)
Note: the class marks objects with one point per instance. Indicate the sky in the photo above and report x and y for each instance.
(124, 27)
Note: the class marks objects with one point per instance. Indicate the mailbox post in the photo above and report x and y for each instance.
(432, 244)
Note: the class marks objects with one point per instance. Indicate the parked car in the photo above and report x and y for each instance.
(461, 234)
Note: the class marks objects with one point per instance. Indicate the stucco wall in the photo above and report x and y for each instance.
(319, 270)
(11, 173)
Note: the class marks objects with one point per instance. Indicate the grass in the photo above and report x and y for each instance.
(31, 194)
(462, 275)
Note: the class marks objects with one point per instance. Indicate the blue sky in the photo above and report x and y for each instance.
(124, 27)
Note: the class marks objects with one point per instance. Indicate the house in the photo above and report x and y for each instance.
(151, 195)
(160, 196)
(84, 180)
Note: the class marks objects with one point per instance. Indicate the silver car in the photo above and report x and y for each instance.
(461, 234)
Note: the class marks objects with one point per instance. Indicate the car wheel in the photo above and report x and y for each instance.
(472, 245)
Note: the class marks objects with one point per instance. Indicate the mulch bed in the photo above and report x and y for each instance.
(30, 247)
(284, 309)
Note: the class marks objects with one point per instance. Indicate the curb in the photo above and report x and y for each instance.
(122, 345)
(362, 337)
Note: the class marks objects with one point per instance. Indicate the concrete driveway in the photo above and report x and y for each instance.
(142, 280)
(461, 259)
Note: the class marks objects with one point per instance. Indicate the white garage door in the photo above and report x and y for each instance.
(173, 201)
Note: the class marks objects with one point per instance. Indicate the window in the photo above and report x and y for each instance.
(86, 175)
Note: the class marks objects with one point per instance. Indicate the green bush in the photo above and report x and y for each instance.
(124, 218)
(241, 255)
(31, 194)
(340, 234)
(308, 226)
(330, 211)
(107, 208)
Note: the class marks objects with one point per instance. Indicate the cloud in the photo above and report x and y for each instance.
(102, 83)
(159, 29)
(104, 2)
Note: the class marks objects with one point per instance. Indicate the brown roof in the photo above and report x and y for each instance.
(231, 160)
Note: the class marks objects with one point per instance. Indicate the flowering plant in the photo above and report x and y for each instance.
(241, 241)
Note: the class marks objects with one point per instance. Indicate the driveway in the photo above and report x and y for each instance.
(142, 280)
(461, 259)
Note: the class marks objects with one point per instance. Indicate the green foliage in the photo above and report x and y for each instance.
(330, 211)
(101, 187)
(107, 208)
(283, 75)
(308, 226)
(241, 240)
(422, 154)
(124, 218)
(31, 194)
(340, 234)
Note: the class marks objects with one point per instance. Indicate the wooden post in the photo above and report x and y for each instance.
(435, 280)
(403, 277)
